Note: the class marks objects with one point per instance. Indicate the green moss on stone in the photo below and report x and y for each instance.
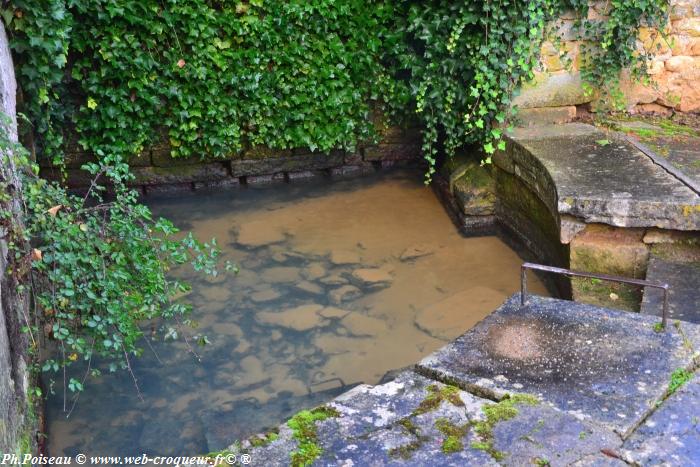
(496, 413)
(264, 440)
(303, 426)
(453, 435)
(436, 396)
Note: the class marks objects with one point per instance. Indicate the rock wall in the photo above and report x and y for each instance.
(156, 170)
(16, 423)
(557, 89)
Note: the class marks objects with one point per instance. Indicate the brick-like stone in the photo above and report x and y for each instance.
(679, 63)
(552, 90)
(392, 152)
(547, 115)
(179, 174)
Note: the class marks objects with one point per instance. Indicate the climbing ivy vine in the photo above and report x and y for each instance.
(210, 78)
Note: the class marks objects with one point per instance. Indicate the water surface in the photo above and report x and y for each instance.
(339, 283)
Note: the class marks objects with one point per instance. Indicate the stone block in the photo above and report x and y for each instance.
(392, 152)
(680, 63)
(546, 115)
(689, 26)
(552, 90)
(610, 250)
(291, 163)
(655, 109)
(180, 174)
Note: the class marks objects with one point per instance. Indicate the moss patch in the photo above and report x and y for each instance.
(303, 426)
(678, 378)
(496, 413)
(436, 396)
(453, 435)
(263, 440)
(406, 451)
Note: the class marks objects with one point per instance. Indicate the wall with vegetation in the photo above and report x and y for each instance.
(669, 80)
(17, 424)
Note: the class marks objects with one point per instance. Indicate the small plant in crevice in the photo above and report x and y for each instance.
(679, 377)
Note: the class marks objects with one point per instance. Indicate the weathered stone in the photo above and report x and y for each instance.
(179, 174)
(598, 182)
(265, 295)
(344, 293)
(683, 294)
(301, 318)
(309, 287)
(343, 257)
(546, 115)
(456, 313)
(332, 312)
(473, 189)
(295, 163)
(280, 275)
(361, 325)
(689, 26)
(391, 152)
(671, 436)
(679, 63)
(374, 278)
(609, 250)
(314, 271)
(334, 279)
(257, 233)
(570, 355)
(417, 251)
(552, 90)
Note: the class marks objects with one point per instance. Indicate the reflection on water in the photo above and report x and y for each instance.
(339, 283)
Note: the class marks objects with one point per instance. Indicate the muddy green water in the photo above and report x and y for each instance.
(340, 282)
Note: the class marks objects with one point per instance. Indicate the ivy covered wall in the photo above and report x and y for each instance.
(670, 80)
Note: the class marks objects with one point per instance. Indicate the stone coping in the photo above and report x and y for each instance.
(594, 363)
(583, 173)
(551, 383)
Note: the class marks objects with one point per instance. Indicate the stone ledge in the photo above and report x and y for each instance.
(570, 355)
(579, 171)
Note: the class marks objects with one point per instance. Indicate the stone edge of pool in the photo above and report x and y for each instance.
(486, 397)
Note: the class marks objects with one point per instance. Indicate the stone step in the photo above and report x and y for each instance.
(607, 366)
(681, 271)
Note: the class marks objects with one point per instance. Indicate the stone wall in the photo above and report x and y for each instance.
(557, 89)
(156, 170)
(16, 423)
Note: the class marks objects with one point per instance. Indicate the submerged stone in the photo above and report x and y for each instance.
(258, 233)
(301, 318)
(456, 313)
(373, 277)
(344, 257)
(361, 325)
(345, 294)
(417, 251)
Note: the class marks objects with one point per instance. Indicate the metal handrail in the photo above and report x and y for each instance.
(604, 277)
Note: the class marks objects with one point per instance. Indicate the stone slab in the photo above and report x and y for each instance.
(579, 171)
(597, 364)
(384, 425)
(671, 435)
(684, 293)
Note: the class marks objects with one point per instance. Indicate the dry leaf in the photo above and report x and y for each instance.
(36, 254)
(54, 210)
(613, 296)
